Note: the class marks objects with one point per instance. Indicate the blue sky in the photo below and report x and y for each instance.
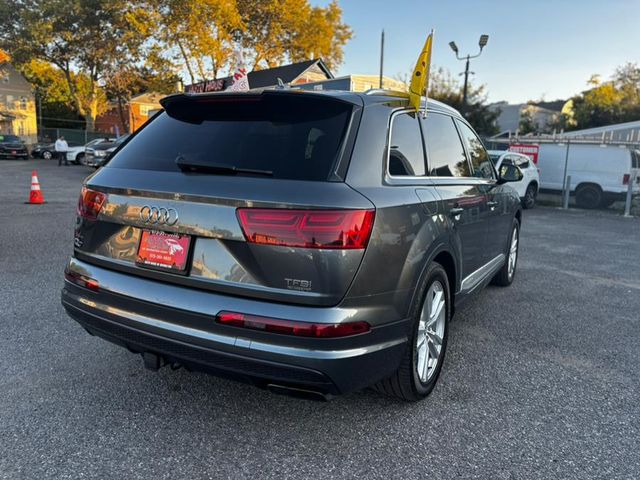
(537, 48)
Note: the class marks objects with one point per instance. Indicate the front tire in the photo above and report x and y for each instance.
(505, 276)
(421, 365)
(47, 155)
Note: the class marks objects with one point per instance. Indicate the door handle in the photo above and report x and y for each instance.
(492, 203)
(454, 212)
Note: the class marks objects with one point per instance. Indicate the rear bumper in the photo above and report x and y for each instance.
(190, 337)
(7, 155)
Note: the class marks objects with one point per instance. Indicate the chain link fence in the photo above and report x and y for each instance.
(71, 135)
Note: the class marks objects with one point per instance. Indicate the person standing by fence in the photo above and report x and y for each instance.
(61, 150)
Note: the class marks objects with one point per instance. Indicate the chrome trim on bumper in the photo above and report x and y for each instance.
(238, 342)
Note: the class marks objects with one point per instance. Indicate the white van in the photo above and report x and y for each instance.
(599, 173)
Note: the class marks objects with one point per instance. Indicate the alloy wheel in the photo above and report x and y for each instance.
(513, 252)
(430, 331)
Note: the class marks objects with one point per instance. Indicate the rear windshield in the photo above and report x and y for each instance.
(635, 158)
(285, 136)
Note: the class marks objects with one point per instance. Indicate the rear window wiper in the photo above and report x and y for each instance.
(201, 167)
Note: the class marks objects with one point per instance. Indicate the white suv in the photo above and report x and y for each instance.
(527, 188)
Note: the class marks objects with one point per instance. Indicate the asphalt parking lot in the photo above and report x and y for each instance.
(541, 380)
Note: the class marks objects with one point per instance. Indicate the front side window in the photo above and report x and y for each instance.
(480, 162)
(406, 154)
(445, 154)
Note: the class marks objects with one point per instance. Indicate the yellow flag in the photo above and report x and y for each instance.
(420, 77)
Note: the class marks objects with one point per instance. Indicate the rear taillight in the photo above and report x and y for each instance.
(90, 203)
(625, 179)
(339, 229)
(82, 280)
(290, 327)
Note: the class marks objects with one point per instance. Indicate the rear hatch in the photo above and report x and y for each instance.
(239, 194)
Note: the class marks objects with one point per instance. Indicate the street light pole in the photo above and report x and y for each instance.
(466, 83)
(481, 43)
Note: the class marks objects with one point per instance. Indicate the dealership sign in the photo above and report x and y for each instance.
(530, 151)
(206, 86)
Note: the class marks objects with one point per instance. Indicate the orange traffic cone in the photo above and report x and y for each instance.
(35, 197)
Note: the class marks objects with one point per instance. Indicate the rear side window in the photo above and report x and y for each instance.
(286, 136)
(445, 155)
(406, 153)
(482, 166)
(518, 160)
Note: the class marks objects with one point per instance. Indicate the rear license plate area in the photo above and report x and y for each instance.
(164, 251)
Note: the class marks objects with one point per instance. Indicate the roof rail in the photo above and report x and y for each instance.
(384, 91)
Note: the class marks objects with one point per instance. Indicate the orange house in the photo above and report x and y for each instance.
(139, 109)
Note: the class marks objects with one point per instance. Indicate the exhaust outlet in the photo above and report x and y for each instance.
(151, 361)
(299, 393)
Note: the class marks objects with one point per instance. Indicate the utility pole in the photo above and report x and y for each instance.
(381, 56)
(482, 43)
(39, 112)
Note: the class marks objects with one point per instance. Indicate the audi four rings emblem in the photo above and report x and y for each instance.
(158, 216)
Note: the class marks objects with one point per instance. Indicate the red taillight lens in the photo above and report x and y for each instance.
(340, 229)
(290, 327)
(81, 280)
(625, 179)
(90, 203)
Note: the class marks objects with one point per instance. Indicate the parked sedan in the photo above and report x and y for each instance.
(528, 186)
(43, 150)
(12, 147)
(76, 154)
(48, 150)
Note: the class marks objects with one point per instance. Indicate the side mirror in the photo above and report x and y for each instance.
(509, 173)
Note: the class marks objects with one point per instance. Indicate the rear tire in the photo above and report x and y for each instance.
(588, 196)
(507, 273)
(529, 200)
(422, 362)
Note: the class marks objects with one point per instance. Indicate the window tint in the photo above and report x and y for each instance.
(406, 155)
(445, 155)
(291, 136)
(482, 166)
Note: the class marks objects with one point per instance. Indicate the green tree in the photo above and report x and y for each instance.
(613, 101)
(50, 85)
(276, 31)
(199, 36)
(196, 36)
(528, 122)
(447, 89)
(84, 39)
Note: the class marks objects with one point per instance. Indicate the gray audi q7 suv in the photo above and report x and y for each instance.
(313, 243)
